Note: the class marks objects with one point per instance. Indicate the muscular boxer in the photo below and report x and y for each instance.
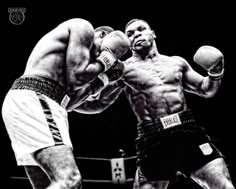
(66, 60)
(170, 139)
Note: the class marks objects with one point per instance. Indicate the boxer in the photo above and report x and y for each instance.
(170, 140)
(63, 63)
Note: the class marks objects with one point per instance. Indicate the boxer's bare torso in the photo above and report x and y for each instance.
(154, 86)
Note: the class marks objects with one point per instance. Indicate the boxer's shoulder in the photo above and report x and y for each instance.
(77, 26)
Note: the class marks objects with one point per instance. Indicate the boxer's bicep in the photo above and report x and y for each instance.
(201, 85)
(192, 80)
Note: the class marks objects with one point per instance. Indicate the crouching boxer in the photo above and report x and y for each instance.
(63, 62)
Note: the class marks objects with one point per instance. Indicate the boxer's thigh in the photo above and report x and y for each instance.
(214, 174)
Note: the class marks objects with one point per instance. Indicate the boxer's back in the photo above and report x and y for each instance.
(48, 56)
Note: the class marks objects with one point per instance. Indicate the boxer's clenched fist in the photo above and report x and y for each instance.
(211, 59)
(113, 47)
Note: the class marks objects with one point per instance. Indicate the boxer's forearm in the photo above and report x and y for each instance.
(100, 102)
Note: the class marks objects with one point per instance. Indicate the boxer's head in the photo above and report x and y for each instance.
(100, 33)
(105, 29)
(140, 34)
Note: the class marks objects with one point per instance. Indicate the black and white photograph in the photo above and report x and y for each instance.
(137, 96)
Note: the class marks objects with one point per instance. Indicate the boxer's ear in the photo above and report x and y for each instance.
(153, 34)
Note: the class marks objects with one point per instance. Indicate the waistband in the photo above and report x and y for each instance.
(166, 122)
(45, 86)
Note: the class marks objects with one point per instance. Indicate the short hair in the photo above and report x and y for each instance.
(135, 20)
(106, 29)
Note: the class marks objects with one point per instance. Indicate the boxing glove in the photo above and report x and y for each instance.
(212, 60)
(115, 72)
(113, 47)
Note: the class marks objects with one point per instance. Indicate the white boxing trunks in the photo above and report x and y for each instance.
(33, 119)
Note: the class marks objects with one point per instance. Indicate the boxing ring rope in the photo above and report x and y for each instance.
(103, 159)
(116, 164)
(84, 180)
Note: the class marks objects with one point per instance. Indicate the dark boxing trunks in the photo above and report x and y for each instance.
(173, 143)
(45, 86)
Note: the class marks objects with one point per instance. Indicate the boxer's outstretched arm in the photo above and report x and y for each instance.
(93, 88)
(100, 102)
(200, 85)
(210, 59)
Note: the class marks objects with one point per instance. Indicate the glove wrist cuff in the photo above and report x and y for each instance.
(216, 76)
(107, 59)
(104, 78)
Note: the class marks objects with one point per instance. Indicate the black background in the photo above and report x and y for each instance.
(180, 30)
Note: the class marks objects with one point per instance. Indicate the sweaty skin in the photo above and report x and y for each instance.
(65, 55)
(155, 86)
(154, 83)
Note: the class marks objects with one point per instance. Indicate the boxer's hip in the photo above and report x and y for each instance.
(169, 129)
(45, 86)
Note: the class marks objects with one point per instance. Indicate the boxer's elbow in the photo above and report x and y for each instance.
(210, 93)
(209, 88)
